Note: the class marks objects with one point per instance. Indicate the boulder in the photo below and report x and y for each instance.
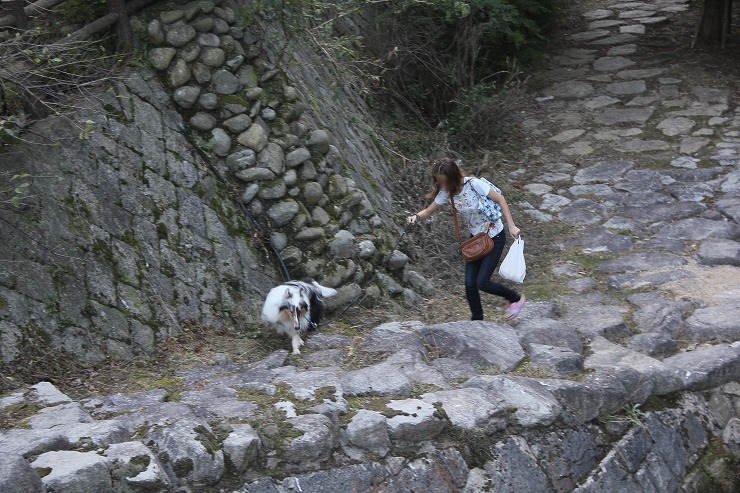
(394, 376)
(549, 332)
(283, 212)
(136, 468)
(218, 401)
(241, 446)
(316, 443)
(716, 323)
(719, 252)
(161, 57)
(515, 468)
(653, 344)
(642, 261)
(699, 229)
(257, 174)
(46, 394)
(534, 404)
(368, 430)
(255, 137)
(731, 436)
(212, 57)
(480, 343)
(241, 160)
(224, 82)
(17, 476)
(155, 32)
(180, 34)
(397, 260)
(393, 336)
(615, 358)
(60, 415)
(238, 123)
(596, 319)
(603, 172)
(343, 245)
(221, 142)
(297, 157)
(179, 74)
(318, 141)
(416, 421)
(560, 361)
(74, 472)
(272, 157)
(27, 443)
(202, 121)
(186, 96)
(470, 409)
(312, 192)
(191, 449)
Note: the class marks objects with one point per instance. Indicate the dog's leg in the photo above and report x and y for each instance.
(297, 342)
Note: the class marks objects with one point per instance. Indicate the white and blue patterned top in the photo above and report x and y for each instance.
(475, 208)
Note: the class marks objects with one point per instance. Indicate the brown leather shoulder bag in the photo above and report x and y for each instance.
(476, 247)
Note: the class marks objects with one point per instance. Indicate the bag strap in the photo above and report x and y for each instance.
(454, 217)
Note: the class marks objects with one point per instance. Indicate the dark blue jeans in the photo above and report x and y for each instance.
(478, 278)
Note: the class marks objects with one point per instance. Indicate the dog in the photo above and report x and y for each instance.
(296, 307)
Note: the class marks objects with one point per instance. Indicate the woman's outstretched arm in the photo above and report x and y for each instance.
(433, 207)
(497, 197)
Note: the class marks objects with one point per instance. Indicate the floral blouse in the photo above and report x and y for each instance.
(466, 203)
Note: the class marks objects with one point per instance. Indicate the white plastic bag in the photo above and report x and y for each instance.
(514, 268)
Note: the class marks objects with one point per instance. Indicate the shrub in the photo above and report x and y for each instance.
(436, 50)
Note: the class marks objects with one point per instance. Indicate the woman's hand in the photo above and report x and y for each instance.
(514, 231)
(412, 219)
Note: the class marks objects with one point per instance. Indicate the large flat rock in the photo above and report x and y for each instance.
(716, 323)
(394, 376)
(632, 280)
(719, 252)
(480, 343)
(627, 115)
(591, 318)
(600, 241)
(603, 172)
(699, 229)
(606, 354)
(470, 409)
(640, 262)
(612, 63)
(707, 367)
(535, 405)
(572, 89)
(664, 212)
(549, 332)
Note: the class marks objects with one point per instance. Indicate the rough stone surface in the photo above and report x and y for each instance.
(719, 252)
(369, 431)
(78, 472)
(17, 476)
(480, 343)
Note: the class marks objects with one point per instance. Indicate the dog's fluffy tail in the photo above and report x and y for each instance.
(325, 292)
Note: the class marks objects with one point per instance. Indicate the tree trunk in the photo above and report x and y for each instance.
(19, 12)
(125, 33)
(712, 22)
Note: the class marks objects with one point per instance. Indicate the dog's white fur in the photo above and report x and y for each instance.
(292, 307)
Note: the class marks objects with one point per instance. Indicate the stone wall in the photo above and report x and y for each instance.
(129, 232)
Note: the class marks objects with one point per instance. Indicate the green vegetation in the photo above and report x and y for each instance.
(173, 386)
(15, 415)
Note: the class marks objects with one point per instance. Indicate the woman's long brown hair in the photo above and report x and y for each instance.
(451, 171)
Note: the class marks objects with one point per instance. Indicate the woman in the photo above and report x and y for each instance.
(466, 193)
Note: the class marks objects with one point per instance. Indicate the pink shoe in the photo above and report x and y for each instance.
(513, 310)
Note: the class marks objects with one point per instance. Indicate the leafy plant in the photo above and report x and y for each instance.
(433, 51)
